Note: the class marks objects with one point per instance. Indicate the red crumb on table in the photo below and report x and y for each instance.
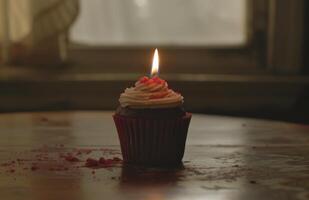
(83, 151)
(5, 164)
(90, 162)
(88, 151)
(110, 151)
(117, 159)
(109, 162)
(44, 119)
(46, 158)
(71, 158)
(105, 162)
(102, 162)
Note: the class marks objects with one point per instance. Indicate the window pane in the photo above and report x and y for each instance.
(161, 22)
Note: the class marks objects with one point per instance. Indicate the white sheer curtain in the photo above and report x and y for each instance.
(26, 25)
(165, 22)
(36, 20)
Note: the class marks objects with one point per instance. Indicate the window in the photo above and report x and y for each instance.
(161, 23)
(198, 36)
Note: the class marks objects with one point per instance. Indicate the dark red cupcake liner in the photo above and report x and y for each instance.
(153, 142)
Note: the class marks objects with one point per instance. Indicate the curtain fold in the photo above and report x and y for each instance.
(33, 21)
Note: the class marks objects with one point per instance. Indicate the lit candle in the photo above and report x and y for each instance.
(155, 64)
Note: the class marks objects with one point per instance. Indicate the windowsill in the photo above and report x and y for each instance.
(23, 73)
(30, 89)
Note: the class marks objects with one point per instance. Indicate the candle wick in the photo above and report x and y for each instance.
(153, 75)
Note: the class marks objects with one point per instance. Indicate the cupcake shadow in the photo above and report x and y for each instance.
(133, 176)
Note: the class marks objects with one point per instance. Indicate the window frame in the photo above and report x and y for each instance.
(286, 36)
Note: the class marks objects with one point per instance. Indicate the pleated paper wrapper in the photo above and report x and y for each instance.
(155, 142)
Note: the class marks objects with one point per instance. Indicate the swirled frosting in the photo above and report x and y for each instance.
(150, 93)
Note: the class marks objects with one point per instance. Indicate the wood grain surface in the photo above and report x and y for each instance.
(225, 158)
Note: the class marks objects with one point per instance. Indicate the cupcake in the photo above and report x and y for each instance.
(152, 124)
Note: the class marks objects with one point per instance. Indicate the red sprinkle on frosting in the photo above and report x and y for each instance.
(146, 80)
(150, 81)
(143, 79)
(158, 80)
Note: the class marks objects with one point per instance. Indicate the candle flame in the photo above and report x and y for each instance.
(155, 64)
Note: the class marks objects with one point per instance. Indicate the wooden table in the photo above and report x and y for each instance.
(225, 158)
